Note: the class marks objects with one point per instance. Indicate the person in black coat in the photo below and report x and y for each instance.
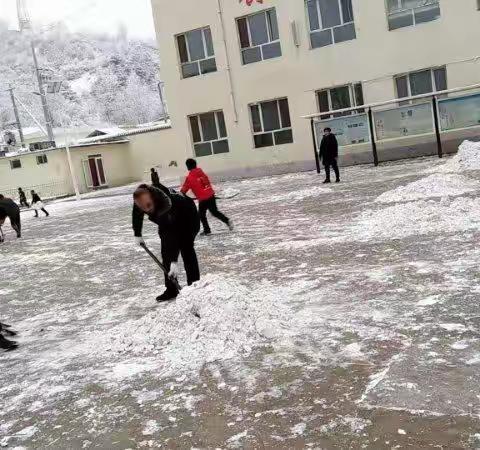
(178, 225)
(23, 198)
(37, 204)
(155, 178)
(329, 154)
(8, 208)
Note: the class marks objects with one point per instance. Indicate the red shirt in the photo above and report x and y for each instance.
(199, 183)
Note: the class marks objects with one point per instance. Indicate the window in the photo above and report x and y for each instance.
(42, 159)
(195, 49)
(271, 123)
(15, 164)
(339, 98)
(405, 13)
(421, 82)
(259, 38)
(209, 133)
(331, 21)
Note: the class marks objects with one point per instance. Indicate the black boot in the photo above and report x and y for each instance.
(326, 181)
(167, 296)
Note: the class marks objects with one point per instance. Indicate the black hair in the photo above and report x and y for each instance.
(152, 169)
(191, 164)
(327, 129)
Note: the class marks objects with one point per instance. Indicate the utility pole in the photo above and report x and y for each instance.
(17, 117)
(43, 96)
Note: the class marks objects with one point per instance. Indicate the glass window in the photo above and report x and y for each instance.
(421, 82)
(270, 116)
(402, 86)
(440, 79)
(340, 97)
(42, 159)
(330, 22)
(209, 126)
(196, 53)
(209, 133)
(404, 13)
(271, 123)
(15, 164)
(259, 37)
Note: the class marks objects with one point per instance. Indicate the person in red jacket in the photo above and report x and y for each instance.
(199, 183)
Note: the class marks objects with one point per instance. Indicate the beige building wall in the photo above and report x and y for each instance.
(54, 175)
(159, 149)
(116, 159)
(54, 178)
(373, 59)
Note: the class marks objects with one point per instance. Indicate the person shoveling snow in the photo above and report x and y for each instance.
(178, 225)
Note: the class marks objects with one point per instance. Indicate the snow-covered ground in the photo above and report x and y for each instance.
(339, 316)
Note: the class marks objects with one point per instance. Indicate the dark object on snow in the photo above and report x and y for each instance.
(178, 225)
(329, 154)
(5, 344)
(8, 208)
(155, 178)
(23, 198)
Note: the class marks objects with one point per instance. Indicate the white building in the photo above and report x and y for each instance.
(240, 74)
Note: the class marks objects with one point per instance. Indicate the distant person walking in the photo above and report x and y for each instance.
(329, 154)
(23, 198)
(155, 178)
(199, 183)
(37, 204)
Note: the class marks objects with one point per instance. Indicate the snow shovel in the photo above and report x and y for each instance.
(160, 264)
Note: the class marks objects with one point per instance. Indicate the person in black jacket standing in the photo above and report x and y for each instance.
(37, 204)
(8, 208)
(178, 225)
(329, 154)
(155, 178)
(23, 198)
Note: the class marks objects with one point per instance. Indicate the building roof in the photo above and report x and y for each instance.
(119, 133)
(72, 147)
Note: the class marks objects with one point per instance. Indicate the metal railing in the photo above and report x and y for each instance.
(428, 114)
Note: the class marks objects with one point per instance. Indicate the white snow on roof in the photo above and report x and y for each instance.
(147, 128)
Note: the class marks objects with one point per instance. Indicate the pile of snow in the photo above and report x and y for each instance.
(417, 218)
(467, 158)
(436, 185)
(216, 319)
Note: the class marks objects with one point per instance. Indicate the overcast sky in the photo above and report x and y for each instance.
(87, 15)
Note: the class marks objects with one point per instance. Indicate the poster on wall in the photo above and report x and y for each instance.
(404, 121)
(462, 112)
(348, 129)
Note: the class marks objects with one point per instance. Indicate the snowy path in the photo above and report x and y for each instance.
(328, 319)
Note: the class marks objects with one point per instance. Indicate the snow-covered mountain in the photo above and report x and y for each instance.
(105, 79)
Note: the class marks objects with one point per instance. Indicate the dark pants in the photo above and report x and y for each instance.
(44, 210)
(331, 163)
(210, 205)
(16, 223)
(170, 254)
(24, 203)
